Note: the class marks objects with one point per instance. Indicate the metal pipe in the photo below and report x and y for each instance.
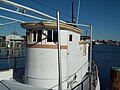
(26, 8)
(8, 23)
(90, 48)
(20, 13)
(59, 55)
(90, 56)
(37, 12)
(12, 19)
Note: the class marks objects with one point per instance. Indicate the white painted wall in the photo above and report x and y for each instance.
(42, 67)
(42, 64)
(76, 60)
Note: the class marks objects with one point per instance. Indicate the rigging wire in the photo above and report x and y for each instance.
(56, 10)
(51, 8)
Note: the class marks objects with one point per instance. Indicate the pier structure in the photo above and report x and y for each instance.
(115, 78)
(11, 48)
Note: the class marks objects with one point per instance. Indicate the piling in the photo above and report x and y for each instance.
(115, 78)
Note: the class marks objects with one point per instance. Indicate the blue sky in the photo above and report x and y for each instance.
(103, 15)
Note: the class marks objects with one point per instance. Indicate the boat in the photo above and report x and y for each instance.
(57, 58)
(42, 57)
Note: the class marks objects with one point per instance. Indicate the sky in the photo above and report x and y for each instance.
(103, 15)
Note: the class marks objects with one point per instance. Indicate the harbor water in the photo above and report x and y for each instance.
(13, 60)
(104, 56)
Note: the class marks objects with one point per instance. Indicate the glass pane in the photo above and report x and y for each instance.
(55, 36)
(34, 36)
(70, 37)
(49, 36)
(39, 35)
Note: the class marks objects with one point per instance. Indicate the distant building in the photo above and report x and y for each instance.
(13, 40)
(14, 37)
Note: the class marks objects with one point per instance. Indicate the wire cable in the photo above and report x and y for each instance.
(50, 7)
(56, 10)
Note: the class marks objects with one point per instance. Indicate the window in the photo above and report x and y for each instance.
(39, 36)
(70, 37)
(49, 36)
(52, 35)
(84, 49)
(30, 36)
(34, 36)
(27, 36)
(55, 36)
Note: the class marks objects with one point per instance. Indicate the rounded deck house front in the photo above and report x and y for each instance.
(42, 54)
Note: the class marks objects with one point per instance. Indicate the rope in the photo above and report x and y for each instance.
(5, 86)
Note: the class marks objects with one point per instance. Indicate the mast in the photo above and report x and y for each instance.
(59, 56)
(73, 18)
(78, 11)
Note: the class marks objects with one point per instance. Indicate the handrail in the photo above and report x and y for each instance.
(81, 83)
(38, 12)
(70, 75)
(95, 70)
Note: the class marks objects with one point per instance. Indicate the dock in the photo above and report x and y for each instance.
(115, 78)
(11, 49)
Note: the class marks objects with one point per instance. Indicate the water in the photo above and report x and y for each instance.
(105, 57)
(12, 61)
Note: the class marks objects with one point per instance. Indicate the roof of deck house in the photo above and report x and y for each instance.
(49, 25)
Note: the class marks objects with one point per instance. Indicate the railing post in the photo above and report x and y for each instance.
(59, 56)
(90, 86)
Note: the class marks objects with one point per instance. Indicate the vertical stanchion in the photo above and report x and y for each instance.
(59, 55)
(90, 87)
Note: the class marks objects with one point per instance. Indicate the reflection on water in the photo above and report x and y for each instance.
(12, 60)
